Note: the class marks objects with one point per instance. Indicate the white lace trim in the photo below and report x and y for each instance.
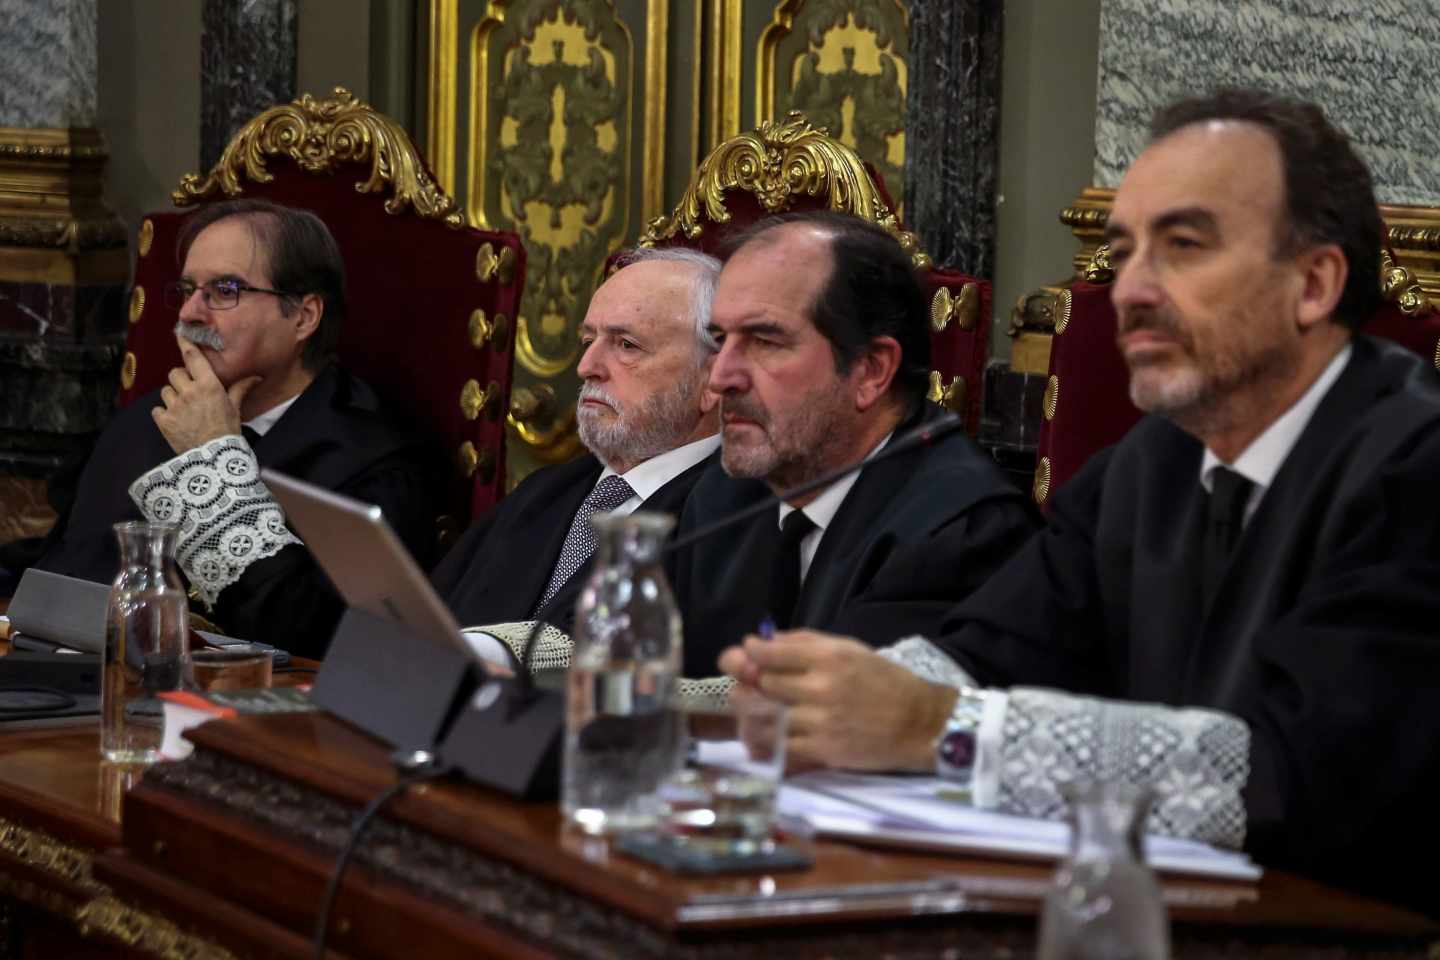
(928, 662)
(1197, 761)
(227, 517)
(552, 652)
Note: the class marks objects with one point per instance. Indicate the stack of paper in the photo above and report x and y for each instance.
(924, 813)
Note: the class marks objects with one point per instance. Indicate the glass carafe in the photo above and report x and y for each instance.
(1105, 902)
(624, 735)
(146, 629)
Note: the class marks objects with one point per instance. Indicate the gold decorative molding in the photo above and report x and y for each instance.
(145, 931)
(472, 461)
(1099, 269)
(724, 57)
(51, 190)
(145, 238)
(319, 136)
(440, 117)
(38, 849)
(1052, 397)
(137, 303)
(492, 266)
(652, 178)
(127, 371)
(1399, 286)
(779, 162)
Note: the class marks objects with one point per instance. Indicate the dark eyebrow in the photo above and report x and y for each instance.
(763, 328)
(1196, 218)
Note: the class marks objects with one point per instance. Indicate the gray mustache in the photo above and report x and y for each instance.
(201, 336)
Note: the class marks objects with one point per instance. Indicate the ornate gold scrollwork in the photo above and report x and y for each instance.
(146, 238)
(484, 330)
(490, 265)
(1399, 286)
(1052, 397)
(127, 371)
(1099, 269)
(40, 850)
(474, 401)
(137, 303)
(781, 161)
(151, 933)
(1042, 480)
(950, 397)
(319, 135)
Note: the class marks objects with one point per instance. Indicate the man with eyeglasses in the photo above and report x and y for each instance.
(260, 302)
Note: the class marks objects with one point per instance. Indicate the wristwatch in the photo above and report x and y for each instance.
(958, 744)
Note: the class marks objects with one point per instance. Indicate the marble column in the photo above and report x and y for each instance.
(247, 64)
(63, 261)
(952, 131)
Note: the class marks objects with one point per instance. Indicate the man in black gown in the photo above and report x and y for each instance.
(1241, 598)
(261, 300)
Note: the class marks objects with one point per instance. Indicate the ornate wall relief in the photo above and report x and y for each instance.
(843, 64)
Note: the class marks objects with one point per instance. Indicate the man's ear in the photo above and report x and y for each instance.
(307, 317)
(1323, 272)
(874, 371)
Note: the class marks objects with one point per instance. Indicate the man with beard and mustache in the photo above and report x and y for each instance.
(649, 424)
(261, 300)
(823, 356)
(1241, 596)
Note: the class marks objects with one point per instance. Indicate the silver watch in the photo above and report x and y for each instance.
(958, 744)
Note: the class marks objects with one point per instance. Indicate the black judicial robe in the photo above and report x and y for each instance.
(1324, 635)
(499, 569)
(335, 435)
(914, 534)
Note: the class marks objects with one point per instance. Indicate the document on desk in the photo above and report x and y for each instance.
(918, 813)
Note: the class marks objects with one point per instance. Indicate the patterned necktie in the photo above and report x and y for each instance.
(580, 541)
(785, 580)
(1224, 521)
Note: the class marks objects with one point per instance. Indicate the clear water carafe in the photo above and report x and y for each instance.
(624, 735)
(1105, 902)
(146, 629)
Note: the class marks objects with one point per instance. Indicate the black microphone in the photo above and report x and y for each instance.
(513, 743)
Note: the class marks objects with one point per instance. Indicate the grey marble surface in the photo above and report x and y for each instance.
(247, 64)
(953, 130)
(1372, 66)
(48, 63)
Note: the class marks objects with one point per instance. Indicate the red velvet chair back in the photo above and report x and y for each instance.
(431, 301)
(790, 165)
(1087, 404)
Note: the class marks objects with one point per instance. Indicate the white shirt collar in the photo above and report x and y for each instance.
(269, 418)
(648, 477)
(1266, 454)
(823, 508)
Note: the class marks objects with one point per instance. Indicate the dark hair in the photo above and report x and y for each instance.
(872, 291)
(301, 256)
(1329, 195)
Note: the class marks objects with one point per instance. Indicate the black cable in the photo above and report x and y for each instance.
(294, 670)
(357, 830)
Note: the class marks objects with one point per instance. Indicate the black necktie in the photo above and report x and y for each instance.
(785, 576)
(1224, 519)
(580, 541)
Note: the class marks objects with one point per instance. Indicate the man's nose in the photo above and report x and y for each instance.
(592, 363)
(729, 373)
(194, 309)
(1136, 284)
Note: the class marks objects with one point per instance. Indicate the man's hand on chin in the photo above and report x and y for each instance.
(849, 707)
(197, 406)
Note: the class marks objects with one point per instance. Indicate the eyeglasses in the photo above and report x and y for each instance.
(218, 294)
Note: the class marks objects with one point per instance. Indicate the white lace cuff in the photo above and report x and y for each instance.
(928, 662)
(1196, 761)
(552, 652)
(227, 517)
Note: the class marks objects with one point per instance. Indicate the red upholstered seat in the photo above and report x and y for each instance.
(791, 165)
(1087, 405)
(432, 302)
